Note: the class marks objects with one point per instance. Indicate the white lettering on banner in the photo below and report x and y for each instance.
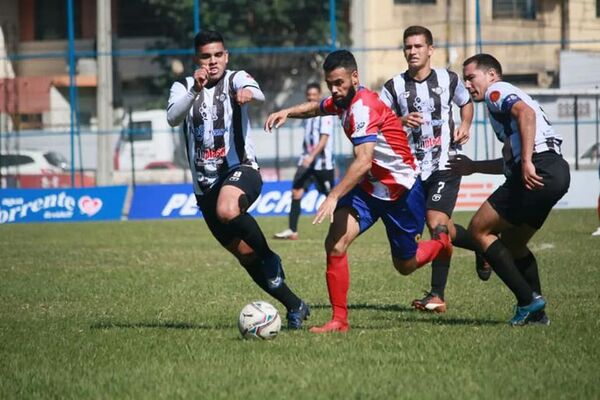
(285, 203)
(18, 208)
(190, 208)
(176, 201)
(266, 202)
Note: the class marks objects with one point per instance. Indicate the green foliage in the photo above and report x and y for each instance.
(149, 310)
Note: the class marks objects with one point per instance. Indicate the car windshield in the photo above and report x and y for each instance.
(56, 159)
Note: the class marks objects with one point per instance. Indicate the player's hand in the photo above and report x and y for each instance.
(531, 179)
(275, 119)
(413, 120)
(200, 78)
(307, 161)
(326, 210)
(461, 135)
(243, 96)
(461, 165)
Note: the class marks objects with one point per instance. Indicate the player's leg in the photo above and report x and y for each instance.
(299, 184)
(404, 224)
(240, 189)
(434, 300)
(352, 217)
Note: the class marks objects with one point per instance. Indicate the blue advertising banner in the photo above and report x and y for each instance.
(61, 205)
(178, 201)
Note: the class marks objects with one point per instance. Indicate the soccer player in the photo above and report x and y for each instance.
(537, 177)
(315, 164)
(212, 104)
(381, 182)
(423, 97)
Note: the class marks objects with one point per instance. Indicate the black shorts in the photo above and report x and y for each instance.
(243, 177)
(518, 205)
(323, 179)
(441, 191)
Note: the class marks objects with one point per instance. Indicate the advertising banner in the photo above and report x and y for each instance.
(61, 205)
(178, 201)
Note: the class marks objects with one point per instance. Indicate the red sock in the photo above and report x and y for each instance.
(338, 282)
(427, 251)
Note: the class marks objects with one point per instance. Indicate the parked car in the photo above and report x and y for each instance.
(30, 162)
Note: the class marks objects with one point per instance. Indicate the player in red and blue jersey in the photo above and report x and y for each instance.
(382, 182)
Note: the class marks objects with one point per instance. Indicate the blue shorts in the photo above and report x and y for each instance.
(404, 219)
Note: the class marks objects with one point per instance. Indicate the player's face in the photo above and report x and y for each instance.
(477, 80)
(343, 84)
(313, 94)
(215, 57)
(417, 52)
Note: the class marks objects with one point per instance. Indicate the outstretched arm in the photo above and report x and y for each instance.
(463, 165)
(360, 166)
(304, 110)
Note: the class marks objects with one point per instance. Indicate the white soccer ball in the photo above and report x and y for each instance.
(259, 320)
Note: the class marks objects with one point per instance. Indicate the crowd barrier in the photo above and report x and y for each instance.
(178, 200)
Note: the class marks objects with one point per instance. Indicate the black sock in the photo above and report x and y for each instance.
(503, 265)
(282, 293)
(439, 277)
(294, 215)
(529, 269)
(464, 239)
(247, 229)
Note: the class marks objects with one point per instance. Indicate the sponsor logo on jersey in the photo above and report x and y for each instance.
(428, 143)
(424, 105)
(438, 90)
(406, 94)
(207, 154)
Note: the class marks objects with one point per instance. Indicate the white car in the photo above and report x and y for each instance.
(32, 162)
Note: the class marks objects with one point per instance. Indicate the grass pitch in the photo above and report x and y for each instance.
(149, 310)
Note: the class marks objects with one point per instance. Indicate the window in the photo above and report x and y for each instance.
(141, 130)
(51, 19)
(521, 9)
(415, 1)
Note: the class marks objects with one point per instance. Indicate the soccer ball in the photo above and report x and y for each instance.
(259, 320)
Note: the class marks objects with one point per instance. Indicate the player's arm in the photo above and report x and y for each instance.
(181, 99)
(525, 117)
(246, 88)
(305, 110)
(462, 134)
(363, 157)
(310, 157)
(463, 165)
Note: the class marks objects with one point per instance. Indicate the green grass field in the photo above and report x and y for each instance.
(149, 310)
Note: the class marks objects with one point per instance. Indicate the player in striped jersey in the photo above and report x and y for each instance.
(537, 177)
(423, 97)
(382, 182)
(316, 163)
(212, 104)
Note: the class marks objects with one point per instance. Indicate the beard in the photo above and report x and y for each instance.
(346, 100)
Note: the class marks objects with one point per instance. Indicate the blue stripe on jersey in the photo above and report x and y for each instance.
(364, 139)
(509, 101)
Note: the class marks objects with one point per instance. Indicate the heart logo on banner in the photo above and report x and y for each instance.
(89, 206)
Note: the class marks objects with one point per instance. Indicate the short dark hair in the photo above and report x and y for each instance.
(418, 30)
(313, 85)
(485, 62)
(340, 59)
(207, 36)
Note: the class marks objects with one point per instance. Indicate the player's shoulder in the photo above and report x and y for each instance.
(498, 92)
(185, 81)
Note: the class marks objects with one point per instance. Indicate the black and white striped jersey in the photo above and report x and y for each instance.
(313, 129)
(433, 98)
(499, 98)
(216, 127)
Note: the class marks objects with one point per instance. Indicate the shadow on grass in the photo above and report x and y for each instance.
(158, 325)
(414, 316)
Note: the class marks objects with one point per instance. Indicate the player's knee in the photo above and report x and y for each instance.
(336, 246)
(226, 212)
(297, 194)
(404, 267)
